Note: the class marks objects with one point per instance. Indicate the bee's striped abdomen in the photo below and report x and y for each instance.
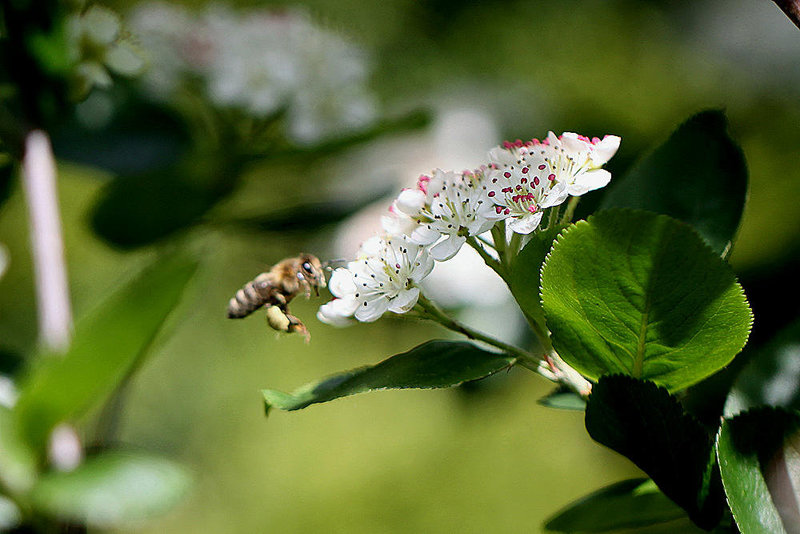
(251, 297)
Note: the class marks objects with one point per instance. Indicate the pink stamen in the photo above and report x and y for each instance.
(532, 209)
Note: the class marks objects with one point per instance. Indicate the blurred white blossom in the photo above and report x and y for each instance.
(8, 392)
(65, 451)
(260, 62)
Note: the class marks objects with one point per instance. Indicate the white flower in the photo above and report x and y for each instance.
(521, 187)
(384, 277)
(446, 204)
(576, 160)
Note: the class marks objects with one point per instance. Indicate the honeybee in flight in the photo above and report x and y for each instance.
(274, 290)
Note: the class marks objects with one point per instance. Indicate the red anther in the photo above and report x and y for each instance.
(542, 167)
(507, 174)
(551, 177)
(525, 170)
(491, 193)
(535, 180)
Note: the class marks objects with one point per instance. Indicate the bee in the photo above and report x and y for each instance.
(274, 290)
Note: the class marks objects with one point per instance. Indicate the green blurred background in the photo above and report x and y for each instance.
(483, 459)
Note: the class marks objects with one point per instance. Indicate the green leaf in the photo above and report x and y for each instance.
(627, 504)
(698, 176)
(112, 489)
(435, 364)
(759, 458)
(18, 462)
(141, 209)
(108, 344)
(647, 425)
(563, 398)
(637, 293)
(771, 376)
(525, 272)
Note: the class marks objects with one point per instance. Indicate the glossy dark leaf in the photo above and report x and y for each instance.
(435, 364)
(627, 504)
(759, 458)
(698, 176)
(647, 425)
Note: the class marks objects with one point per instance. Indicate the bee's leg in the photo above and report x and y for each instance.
(297, 326)
(278, 319)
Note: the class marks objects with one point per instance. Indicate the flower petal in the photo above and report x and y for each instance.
(341, 283)
(404, 301)
(446, 249)
(329, 314)
(371, 310)
(410, 201)
(525, 225)
(605, 149)
(589, 181)
(422, 235)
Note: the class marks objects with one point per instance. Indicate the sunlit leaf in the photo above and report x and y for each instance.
(627, 504)
(112, 489)
(759, 458)
(435, 364)
(698, 176)
(108, 343)
(637, 293)
(647, 425)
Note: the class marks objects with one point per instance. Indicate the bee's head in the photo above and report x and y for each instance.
(310, 272)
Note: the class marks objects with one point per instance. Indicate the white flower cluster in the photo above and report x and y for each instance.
(260, 62)
(434, 220)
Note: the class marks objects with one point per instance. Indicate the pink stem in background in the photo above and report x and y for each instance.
(52, 295)
(791, 8)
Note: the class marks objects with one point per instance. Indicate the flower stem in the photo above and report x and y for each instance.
(570, 211)
(487, 258)
(431, 311)
(499, 238)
